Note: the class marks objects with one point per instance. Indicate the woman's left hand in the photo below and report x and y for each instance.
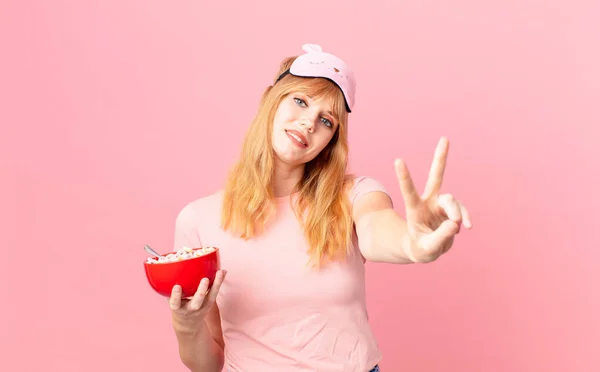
(433, 219)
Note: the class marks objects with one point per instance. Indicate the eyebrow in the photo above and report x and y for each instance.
(327, 112)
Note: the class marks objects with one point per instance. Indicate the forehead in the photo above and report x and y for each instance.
(321, 92)
(324, 102)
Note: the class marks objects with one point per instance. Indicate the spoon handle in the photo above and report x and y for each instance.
(151, 251)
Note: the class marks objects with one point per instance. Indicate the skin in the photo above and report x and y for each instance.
(432, 221)
(314, 120)
(432, 218)
(197, 320)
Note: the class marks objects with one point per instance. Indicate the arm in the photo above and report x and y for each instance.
(382, 233)
(432, 219)
(197, 321)
(202, 349)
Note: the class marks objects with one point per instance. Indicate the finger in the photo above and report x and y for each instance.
(175, 299)
(198, 298)
(407, 187)
(451, 207)
(214, 290)
(436, 172)
(440, 239)
(448, 245)
(466, 216)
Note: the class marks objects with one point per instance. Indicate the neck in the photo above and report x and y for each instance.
(285, 178)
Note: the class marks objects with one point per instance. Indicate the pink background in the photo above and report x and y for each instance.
(114, 114)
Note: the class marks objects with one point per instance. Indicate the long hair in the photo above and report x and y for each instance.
(322, 205)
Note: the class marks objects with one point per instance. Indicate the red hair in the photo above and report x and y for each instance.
(248, 198)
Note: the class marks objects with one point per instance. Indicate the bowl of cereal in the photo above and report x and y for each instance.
(186, 267)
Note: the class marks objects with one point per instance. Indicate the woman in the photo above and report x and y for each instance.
(294, 231)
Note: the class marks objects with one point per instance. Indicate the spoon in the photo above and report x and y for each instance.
(151, 251)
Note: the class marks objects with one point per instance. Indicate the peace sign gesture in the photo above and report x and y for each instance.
(433, 219)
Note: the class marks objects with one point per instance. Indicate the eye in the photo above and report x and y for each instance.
(328, 123)
(300, 102)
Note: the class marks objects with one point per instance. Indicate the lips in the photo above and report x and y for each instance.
(297, 137)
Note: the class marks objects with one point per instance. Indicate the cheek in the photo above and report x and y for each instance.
(277, 136)
(279, 121)
(287, 112)
(323, 139)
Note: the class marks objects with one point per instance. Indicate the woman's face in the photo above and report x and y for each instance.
(302, 127)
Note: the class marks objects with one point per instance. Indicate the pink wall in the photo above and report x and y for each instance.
(115, 113)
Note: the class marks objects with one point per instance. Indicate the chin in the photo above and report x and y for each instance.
(290, 160)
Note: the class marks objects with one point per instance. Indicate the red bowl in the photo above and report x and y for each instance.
(187, 273)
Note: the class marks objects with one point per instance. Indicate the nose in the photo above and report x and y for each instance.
(308, 123)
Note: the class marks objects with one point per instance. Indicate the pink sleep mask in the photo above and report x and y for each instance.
(317, 64)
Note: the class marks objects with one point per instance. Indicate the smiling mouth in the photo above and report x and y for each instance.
(296, 138)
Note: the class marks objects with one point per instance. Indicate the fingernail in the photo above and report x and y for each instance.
(177, 288)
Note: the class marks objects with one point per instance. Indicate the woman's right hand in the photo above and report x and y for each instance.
(188, 313)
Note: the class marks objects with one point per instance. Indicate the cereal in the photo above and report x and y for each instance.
(183, 253)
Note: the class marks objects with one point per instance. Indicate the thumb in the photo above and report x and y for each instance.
(438, 239)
